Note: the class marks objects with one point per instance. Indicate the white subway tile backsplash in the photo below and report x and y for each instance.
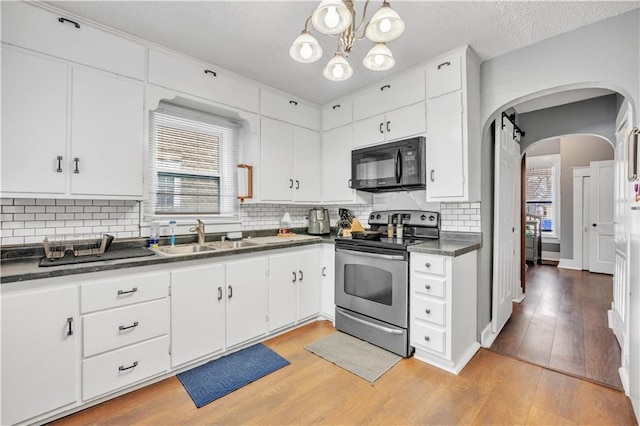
(34, 209)
(12, 209)
(45, 202)
(46, 216)
(65, 202)
(24, 202)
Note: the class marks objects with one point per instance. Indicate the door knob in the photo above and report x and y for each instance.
(594, 225)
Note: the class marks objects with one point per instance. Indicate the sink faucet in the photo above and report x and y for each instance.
(200, 230)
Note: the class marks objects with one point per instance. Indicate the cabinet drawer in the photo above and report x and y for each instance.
(428, 337)
(123, 291)
(429, 310)
(288, 109)
(432, 264)
(428, 285)
(104, 331)
(337, 115)
(201, 80)
(444, 75)
(40, 30)
(123, 367)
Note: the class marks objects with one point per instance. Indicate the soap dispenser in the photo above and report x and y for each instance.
(285, 224)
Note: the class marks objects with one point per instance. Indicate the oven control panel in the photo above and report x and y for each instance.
(416, 218)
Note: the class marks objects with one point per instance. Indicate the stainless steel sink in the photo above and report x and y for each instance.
(184, 249)
(230, 245)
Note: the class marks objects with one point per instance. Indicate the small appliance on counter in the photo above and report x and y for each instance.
(318, 221)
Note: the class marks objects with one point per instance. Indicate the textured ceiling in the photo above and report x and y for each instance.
(252, 38)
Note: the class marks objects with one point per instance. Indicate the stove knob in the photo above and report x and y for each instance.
(373, 216)
(432, 218)
(378, 216)
(423, 217)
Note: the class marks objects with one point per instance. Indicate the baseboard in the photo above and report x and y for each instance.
(487, 337)
(519, 296)
(569, 264)
(624, 378)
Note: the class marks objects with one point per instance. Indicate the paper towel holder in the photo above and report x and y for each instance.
(249, 182)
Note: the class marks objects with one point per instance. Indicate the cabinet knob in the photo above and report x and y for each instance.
(428, 265)
(427, 338)
(427, 311)
(427, 286)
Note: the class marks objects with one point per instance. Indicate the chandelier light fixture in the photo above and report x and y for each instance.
(338, 18)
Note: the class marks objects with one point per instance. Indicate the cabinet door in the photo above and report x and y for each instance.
(327, 298)
(407, 121)
(369, 132)
(197, 313)
(201, 80)
(336, 165)
(34, 123)
(40, 30)
(283, 280)
(287, 109)
(306, 165)
(309, 274)
(337, 114)
(39, 355)
(106, 135)
(445, 161)
(276, 161)
(247, 299)
(444, 75)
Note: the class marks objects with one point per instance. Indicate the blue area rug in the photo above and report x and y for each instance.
(222, 376)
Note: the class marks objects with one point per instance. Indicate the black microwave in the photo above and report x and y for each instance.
(393, 166)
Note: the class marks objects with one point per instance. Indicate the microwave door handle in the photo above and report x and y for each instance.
(398, 170)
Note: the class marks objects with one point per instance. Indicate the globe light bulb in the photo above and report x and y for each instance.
(385, 25)
(338, 71)
(332, 18)
(378, 59)
(305, 51)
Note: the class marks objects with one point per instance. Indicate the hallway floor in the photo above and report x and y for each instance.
(562, 325)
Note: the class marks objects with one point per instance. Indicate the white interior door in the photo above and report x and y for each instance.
(602, 246)
(586, 221)
(504, 260)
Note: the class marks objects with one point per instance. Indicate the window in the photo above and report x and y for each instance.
(542, 187)
(193, 157)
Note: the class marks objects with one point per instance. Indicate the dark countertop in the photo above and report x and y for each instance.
(16, 269)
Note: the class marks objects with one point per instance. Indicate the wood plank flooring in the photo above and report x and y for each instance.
(492, 389)
(562, 324)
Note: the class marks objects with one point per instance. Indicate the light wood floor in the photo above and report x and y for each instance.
(562, 324)
(492, 389)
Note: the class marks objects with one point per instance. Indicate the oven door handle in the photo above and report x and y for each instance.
(376, 326)
(377, 256)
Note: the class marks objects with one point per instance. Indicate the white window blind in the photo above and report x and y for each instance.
(192, 157)
(540, 195)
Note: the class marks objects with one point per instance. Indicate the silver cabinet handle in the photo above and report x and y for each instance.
(295, 277)
(134, 325)
(324, 271)
(376, 326)
(77, 169)
(123, 368)
(133, 290)
(59, 169)
(69, 325)
(432, 175)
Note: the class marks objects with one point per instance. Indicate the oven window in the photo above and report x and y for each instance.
(368, 282)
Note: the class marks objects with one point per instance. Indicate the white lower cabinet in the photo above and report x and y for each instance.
(327, 282)
(246, 305)
(443, 309)
(197, 312)
(123, 342)
(39, 352)
(294, 287)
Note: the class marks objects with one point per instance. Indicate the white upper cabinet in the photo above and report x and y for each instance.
(337, 114)
(61, 36)
(394, 125)
(444, 75)
(288, 109)
(453, 127)
(34, 123)
(390, 94)
(289, 162)
(106, 135)
(199, 79)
